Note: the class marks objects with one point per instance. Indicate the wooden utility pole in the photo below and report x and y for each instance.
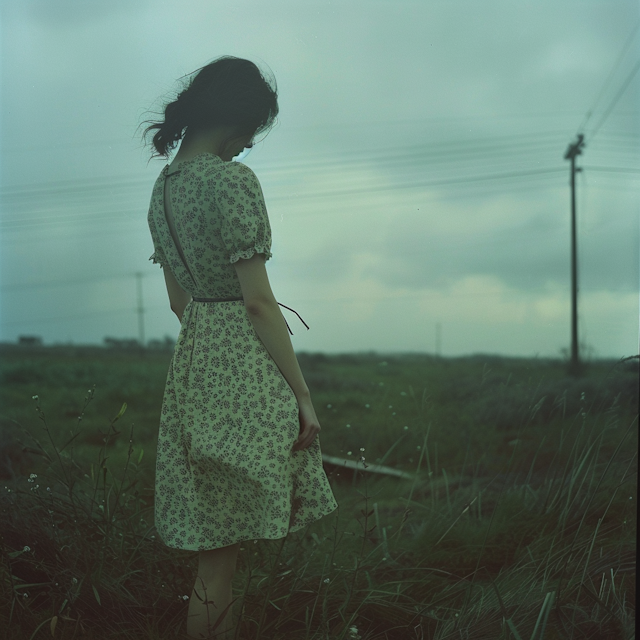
(140, 310)
(575, 149)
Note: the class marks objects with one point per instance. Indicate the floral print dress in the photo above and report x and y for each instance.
(225, 471)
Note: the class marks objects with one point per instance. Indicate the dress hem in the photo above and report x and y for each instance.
(291, 530)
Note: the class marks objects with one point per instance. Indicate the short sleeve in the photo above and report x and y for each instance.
(244, 225)
(158, 257)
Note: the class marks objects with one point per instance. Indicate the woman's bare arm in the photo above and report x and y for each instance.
(178, 297)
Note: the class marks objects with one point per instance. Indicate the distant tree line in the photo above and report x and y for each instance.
(167, 344)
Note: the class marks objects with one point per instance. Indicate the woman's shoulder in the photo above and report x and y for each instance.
(239, 169)
(237, 174)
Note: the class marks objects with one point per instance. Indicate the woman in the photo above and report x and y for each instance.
(238, 455)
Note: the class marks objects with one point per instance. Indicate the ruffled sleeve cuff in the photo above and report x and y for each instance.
(245, 254)
(157, 258)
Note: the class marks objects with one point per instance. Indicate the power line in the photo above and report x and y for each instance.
(423, 119)
(106, 312)
(428, 183)
(613, 169)
(623, 88)
(437, 149)
(418, 294)
(19, 222)
(481, 239)
(504, 180)
(610, 76)
(460, 150)
(56, 283)
(483, 189)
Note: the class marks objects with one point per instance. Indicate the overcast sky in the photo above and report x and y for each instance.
(415, 178)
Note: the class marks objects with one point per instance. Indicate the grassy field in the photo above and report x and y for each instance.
(518, 519)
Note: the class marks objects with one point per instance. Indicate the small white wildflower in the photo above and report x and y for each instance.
(74, 580)
(361, 448)
(33, 475)
(185, 597)
(348, 453)
(383, 559)
(326, 580)
(34, 397)
(27, 549)
(25, 595)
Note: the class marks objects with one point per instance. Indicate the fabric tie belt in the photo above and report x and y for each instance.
(241, 298)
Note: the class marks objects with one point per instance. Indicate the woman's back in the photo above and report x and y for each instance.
(219, 216)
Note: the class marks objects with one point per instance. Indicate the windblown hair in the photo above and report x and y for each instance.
(227, 92)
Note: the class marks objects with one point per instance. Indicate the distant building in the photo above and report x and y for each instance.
(30, 341)
(168, 344)
(115, 343)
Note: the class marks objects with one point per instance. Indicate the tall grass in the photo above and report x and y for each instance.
(518, 522)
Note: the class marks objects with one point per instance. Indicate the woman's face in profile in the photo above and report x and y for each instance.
(241, 153)
(238, 149)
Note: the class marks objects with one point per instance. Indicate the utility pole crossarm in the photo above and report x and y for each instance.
(575, 149)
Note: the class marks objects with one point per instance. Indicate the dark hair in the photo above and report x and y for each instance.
(227, 92)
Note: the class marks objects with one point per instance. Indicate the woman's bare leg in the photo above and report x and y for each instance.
(212, 593)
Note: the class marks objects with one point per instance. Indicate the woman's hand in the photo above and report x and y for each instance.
(309, 425)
